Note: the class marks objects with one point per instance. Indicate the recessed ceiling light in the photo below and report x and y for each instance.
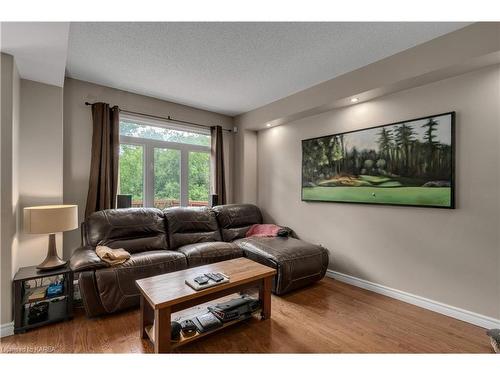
(268, 125)
(354, 100)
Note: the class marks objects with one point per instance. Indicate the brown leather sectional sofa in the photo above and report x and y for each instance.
(180, 238)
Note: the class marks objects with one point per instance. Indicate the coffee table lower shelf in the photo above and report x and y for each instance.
(186, 340)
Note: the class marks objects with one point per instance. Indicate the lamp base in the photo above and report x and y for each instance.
(52, 260)
(51, 263)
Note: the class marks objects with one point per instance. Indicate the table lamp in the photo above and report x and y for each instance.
(50, 220)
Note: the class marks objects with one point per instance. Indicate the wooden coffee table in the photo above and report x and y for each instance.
(165, 294)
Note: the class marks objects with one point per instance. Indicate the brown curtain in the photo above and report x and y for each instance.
(217, 157)
(103, 180)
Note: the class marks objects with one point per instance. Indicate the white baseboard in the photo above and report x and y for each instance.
(7, 329)
(441, 308)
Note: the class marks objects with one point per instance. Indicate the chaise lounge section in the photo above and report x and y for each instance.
(179, 238)
(298, 263)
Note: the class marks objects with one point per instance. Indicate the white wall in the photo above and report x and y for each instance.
(40, 170)
(10, 97)
(31, 169)
(78, 136)
(451, 256)
(245, 175)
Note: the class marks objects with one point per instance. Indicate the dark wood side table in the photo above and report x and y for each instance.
(60, 307)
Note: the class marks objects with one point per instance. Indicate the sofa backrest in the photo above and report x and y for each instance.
(187, 225)
(235, 219)
(134, 229)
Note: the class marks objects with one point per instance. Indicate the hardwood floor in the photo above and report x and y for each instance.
(328, 317)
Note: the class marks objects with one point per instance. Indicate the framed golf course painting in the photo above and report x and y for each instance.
(409, 163)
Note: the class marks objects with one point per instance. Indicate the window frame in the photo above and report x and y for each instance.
(149, 146)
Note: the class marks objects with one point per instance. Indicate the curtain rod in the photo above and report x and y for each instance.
(168, 118)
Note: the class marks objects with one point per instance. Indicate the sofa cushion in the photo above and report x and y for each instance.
(188, 225)
(198, 254)
(235, 219)
(116, 285)
(298, 262)
(134, 229)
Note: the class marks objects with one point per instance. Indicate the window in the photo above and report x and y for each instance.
(167, 177)
(132, 172)
(162, 164)
(199, 177)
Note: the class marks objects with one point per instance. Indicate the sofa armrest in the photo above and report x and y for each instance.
(85, 258)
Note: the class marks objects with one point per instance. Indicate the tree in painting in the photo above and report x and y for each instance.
(408, 163)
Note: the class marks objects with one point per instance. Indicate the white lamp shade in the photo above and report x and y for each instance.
(50, 219)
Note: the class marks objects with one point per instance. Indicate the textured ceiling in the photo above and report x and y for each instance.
(232, 68)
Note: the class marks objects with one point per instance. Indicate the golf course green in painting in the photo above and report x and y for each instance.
(405, 195)
(408, 163)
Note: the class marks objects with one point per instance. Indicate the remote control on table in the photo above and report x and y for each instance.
(215, 277)
(201, 280)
